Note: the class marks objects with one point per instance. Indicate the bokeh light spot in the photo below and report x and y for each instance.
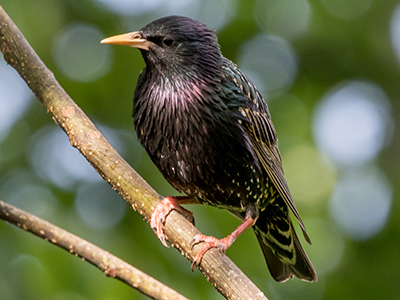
(99, 206)
(130, 7)
(214, 13)
(23, 190)
(361, 202)
(347, 9)
(309, 178)
(79, 54)
(25, 263)
(270, 60)
(351, 123)
(286, 18)
(55, 160)
(15, 98)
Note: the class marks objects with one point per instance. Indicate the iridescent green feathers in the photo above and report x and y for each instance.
(274, 230)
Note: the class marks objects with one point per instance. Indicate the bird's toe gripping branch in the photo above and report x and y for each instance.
(162, 211)
(222, 244)
(210, 242)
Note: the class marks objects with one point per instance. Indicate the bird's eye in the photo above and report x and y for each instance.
(168, 42)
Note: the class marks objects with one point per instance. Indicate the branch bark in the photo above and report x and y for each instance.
(224, 275)
(111, 266)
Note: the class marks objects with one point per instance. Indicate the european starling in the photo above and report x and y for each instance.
(208, 130)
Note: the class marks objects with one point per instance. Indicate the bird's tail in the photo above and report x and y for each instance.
(280, 245)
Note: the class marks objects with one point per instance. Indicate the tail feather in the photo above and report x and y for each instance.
(282, 270)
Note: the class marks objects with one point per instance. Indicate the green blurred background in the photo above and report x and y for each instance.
(329, 71)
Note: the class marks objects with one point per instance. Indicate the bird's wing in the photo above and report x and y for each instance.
(262, 134)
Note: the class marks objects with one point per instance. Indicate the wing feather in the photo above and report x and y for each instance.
(261, 133)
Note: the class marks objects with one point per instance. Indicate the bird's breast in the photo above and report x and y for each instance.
(200, 148)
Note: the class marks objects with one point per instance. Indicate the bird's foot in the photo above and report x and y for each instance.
(210, 242)
(222, 244)
(162, 211)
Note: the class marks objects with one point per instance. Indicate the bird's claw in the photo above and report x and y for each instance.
(157, 220)
(161, 211)
(210, 242)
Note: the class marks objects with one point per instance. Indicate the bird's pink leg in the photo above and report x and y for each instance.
(222, 244)
(164, 208)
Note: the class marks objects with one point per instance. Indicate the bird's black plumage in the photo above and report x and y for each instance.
(208, 130)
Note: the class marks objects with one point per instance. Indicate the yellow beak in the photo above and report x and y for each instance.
(132, 39)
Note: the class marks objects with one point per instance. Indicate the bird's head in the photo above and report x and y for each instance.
(175, 45)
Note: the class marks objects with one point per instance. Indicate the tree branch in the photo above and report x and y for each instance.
(227, 278)
(111, 266)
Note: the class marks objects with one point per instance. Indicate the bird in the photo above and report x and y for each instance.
(208, 130)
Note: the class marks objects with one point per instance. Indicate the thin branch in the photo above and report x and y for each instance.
(111, 266)
(224, 275)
